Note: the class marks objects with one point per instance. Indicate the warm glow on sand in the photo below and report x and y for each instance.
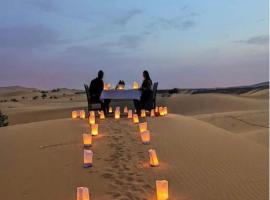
(130, 114)
(74, 114)
(117, 113)
(110, 109)
(152, 113)
(92, 119)
(135, 118)
(82, 114)
(126, 109)
(143, 113)
(145, 136)
(102, 115)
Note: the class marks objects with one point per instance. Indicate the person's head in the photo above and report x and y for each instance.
(146, 75)
(100, 74)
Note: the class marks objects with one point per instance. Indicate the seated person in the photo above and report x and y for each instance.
(95, 90)
(146, 95)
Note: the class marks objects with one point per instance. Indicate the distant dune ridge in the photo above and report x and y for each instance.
(213, 145)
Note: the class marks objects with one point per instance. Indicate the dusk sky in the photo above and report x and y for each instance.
(182, 43)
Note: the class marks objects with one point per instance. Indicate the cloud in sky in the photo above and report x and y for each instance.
(44, 5)
(256, 40)
(29, 36)
(123, 20)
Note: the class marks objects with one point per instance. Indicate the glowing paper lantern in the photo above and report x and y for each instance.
(92, 113)
(110, 109)
(121, 87)
(135, 85)
(94, 129)
(153, 159)
(101, 115)
(129, 114)
(161, 111)
(107, 86)
(152, 114)
(88, 158)
(156, 109)
(83, 193)
(126, 109)
(117, 113)
(82, 114)
(143, 113)
(92, 119)
(135, 118)
(87, 140)
(143, 127)
(165, 110)
(74, 114)
(162, 189)
(145, 136)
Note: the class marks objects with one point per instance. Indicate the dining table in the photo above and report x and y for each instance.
(124, 94)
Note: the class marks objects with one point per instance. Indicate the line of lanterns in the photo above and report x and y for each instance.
(161, 185)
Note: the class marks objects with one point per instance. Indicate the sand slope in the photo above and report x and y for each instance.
(43, 160)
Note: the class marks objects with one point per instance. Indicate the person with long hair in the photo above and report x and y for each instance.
(147, 93)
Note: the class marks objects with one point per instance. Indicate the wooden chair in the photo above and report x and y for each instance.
(89, 102)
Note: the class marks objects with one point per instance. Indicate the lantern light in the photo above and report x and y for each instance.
(88, 158)
(165, 110)
(135, 118)
(129, 114)
(135, 85)
(83, 193)
(152, 114)
(156, 109)
(117, 113)
(107, 86)
(102, 115)
(92, 113)
(74, 114)
(110, 109)
(82, 114)
(161, 111)
(92, 119)
(143, 127)
(143, 113)
(145, 136)
(162, 189)
(94, 129)
(126, 109)
(153, 159)
(87, 140)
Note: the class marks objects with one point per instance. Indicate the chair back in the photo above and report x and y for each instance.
(155, 86)
(87, 93)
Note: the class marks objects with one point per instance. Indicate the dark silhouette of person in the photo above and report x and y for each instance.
(95, 90)
(146, 94)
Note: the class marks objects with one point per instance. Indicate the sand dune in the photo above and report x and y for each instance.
(43, 160)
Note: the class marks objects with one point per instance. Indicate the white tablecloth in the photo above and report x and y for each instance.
(121, 94)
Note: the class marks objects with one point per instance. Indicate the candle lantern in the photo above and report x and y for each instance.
(126, 109)
(92, 113)
(165, 110)
(74, 114)
(135, 85)
(145, 136)
(143, 127)
(92, 119)
(152, 114)
(162, 189)
(102, 115)
(129, 114)
(82, 114)
(135, 118)
(153, 159)
(87, 140)
(161, 111)
(94, 129)
(110, 109)
(117, 113)
(107, 86)
(83, 193)
(143, 113)
(88, 158)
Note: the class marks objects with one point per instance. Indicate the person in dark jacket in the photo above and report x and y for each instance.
(146, 95)
(95, 90)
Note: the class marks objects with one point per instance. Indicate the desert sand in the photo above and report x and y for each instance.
(210, 147)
